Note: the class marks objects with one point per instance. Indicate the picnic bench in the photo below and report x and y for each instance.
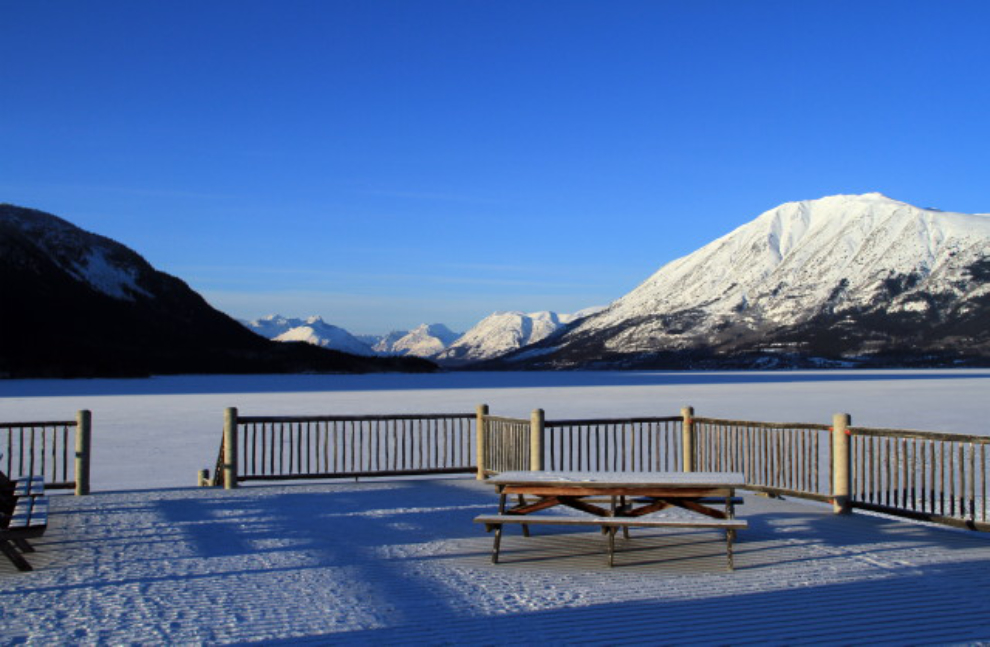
(23, 516)
(632, 499)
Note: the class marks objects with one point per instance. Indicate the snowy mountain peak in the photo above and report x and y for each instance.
(317, 332)
(426, 340)
(273, 325)
(501, 333)
(838, 256)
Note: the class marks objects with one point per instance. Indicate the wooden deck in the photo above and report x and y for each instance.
(401, 562)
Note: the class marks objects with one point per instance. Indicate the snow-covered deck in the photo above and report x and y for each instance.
(402, 562)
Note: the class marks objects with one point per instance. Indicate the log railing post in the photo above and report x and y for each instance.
(84, 432)
(841, 474)
(481, 439)
(687, 439)
(230, 448)
(536, 428)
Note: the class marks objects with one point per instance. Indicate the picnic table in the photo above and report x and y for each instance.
(629, 498)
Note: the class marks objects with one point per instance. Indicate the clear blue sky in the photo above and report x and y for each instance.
(385, 164)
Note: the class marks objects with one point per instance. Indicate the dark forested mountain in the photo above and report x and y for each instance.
(73, 303)
(849, 280)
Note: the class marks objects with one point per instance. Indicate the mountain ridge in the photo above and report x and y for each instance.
(77, 304)
(823, 281)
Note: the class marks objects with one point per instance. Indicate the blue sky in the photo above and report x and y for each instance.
(385, 164)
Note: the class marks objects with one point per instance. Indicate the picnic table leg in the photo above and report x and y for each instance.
(525, 527)
(498, 528)
(611, 546)
(625, 529)
(15, 557)
(729, 536)
(498, 542)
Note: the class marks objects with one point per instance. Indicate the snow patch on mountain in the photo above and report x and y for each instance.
(103, 264)
(103, 275)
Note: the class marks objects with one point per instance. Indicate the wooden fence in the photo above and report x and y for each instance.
(614, 444)
(507, 444)
(58, 451)
(276, 448)
(920, 475)
(793, 459)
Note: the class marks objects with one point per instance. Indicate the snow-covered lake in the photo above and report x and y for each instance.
(158, 432)
(400, 562)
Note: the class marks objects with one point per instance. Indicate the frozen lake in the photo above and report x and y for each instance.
(158, 432)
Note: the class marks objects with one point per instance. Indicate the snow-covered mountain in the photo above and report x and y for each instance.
(845, 278)
(312, 330)
(317, 332)
(501, 333)
(271, 326)
(427, 340)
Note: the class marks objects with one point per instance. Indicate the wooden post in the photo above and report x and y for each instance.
(536, 426)
(84, 432)
(481, 447)
(687, 438)
(230, 448)
(841, 474)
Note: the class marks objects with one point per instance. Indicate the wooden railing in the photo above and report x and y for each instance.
(506, 445)
(59, 451)
(792, 459)
(614, 444)
(276, 448)
(922, 475)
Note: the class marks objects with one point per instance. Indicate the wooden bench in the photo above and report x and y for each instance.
(23, 516)
(609, 525)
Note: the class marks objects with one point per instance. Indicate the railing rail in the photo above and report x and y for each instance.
(785, 458)
(57, 450)
(275, 448)
(614, 444)
(506, 444)
(922, 475)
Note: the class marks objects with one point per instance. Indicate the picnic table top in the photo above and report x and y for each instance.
(621, 479)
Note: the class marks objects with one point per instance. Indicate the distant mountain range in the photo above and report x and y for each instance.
(847, 280)
(497, 334)
(79, 304)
